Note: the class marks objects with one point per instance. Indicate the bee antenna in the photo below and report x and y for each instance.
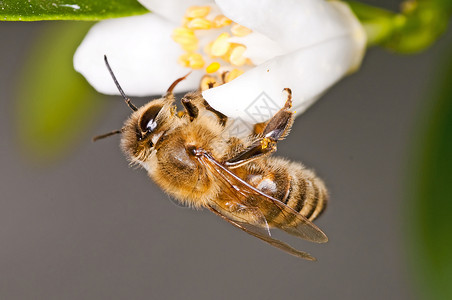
(127, 99)
(173, 85)
(102, 136)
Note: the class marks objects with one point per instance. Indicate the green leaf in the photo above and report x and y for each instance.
(54, 104)
(430, 200)
(419, 27)
(415, 28)
(87, 10)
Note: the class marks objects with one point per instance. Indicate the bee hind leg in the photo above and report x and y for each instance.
(276, 129)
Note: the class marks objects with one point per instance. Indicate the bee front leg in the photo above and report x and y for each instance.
(190, 107)
(279, 125)
(276, 129)
(222, 119)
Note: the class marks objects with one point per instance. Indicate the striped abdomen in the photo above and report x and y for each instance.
(307, 194)
(292, 184)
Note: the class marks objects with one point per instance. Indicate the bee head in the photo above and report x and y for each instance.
(147, 124)
(144, 129)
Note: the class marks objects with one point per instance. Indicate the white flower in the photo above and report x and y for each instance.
(304, 45)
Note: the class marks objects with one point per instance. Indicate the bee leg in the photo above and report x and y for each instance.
(190, 108)
(221, 117)
(276, 129)
(208, 82)
(257, 149)
(279, 125)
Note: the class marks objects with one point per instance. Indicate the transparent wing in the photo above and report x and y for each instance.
(290, 220)
(261, 234)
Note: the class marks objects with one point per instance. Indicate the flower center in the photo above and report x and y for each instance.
(222, 59)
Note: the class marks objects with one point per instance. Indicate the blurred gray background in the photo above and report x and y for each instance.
(90, 227)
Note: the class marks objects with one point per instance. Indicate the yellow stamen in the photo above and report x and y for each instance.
(191, 47)
(199, 18)
(221, 21)
(233, 74)
(185, 21)
(221, 45)
(208, 49)
(197, 11)
(236, 57)
(183, 60)
(239, 30)
(199, 23)
(196, 61)
(208, 82)
(184, 36)
(213, 67)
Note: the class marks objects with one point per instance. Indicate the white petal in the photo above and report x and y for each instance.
(259, 48)
(172, 10)
(256, 95)
(141, 53)
(293, 23)
(356, 30)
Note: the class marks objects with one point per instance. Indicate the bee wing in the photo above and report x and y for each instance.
(261, 234)
(304, 229)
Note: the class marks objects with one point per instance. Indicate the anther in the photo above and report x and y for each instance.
(233, 74)
(199, 23)
(195, 61)
(191, 47)
(183, 60)
(221, 45)
(221, 21)
(236, 57)
(213, 67)
(184, 36)
(239, 30)
(208, 82)
(197, 11)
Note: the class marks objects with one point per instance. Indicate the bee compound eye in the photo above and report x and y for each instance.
(148, 122)
(152, 124)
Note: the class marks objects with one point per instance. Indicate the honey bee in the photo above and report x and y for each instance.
(235, 178)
